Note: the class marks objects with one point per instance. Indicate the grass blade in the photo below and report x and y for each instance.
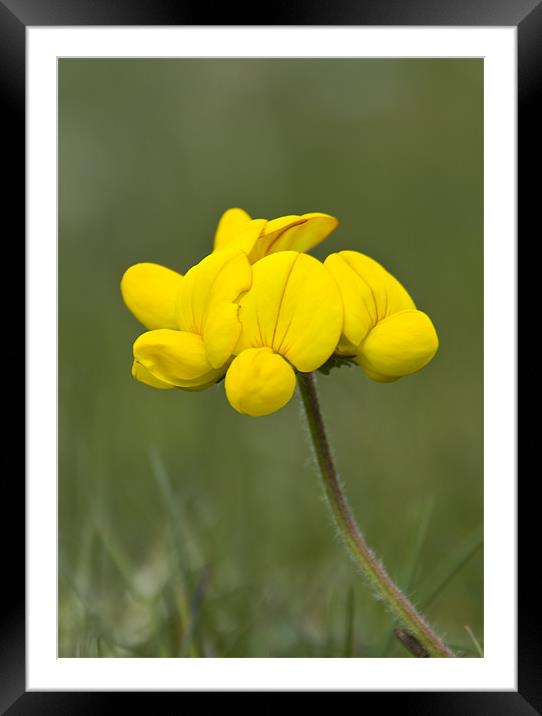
(349, 636)
(458, 559)
(475, 641)
(412, 564)
(195, 610)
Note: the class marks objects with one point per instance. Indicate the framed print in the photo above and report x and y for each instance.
(271, 353)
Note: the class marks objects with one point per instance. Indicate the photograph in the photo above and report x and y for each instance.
(270, 357)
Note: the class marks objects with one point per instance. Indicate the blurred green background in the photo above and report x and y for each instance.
(185, 528)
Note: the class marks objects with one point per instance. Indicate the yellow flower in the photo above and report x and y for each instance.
(291, 320)
(382, 329)
(259, 237)
(193, 319)
(260, 324)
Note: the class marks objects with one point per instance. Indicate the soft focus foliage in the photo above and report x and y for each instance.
(186, 528)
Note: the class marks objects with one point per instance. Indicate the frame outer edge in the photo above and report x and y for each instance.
(529, 166)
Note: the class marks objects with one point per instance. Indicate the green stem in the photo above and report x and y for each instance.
(371, 567)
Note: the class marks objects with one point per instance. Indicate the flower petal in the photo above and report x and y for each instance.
(221, 332)
(176, 357)
(248, 237)
(293, 307)
(358, 302)
(259, 237)
(373, 374)
(399, 345)
(259, 307)
(237, 231)
(150, 292)
(259, 382)
(296, 233)
(231, 223)
(140, 373)
(207, 303)
(369, 292)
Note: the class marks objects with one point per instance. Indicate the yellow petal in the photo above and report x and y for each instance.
(140, 373)
(345, 348)
(207, 302)
(259, 237)
(293, 307)
(221, 332)
(369, 292)
(237, 231)
(248, 237)
(296, 233)
(373, 375)
(259, 382)
(176, 357)
(231, 223)
(399, 345)
(150, 292)
(259, 308)
(358, 301)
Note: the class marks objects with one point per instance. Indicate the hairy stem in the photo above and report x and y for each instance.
(371, 567)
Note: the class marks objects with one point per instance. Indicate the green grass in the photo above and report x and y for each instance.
(187, 529)
(172, 603)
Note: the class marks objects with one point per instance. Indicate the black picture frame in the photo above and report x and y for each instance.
(15, 16)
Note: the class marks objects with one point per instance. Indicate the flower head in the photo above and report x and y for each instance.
(258, 309)
(259, 237)
(193, 319)
(384, 332)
